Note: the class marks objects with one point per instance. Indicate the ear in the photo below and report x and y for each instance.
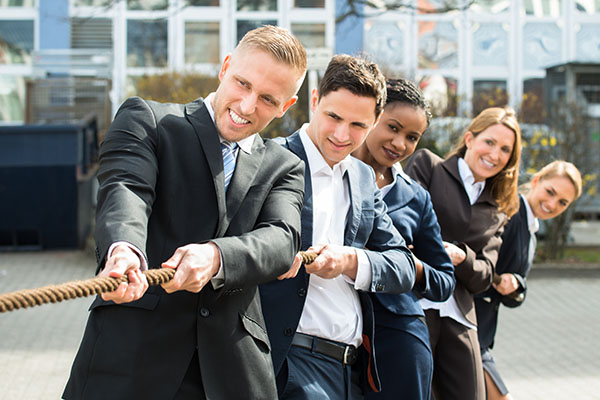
(468, 139)
(287, 105)
(224, 67)
(314, 99)
(534, 181)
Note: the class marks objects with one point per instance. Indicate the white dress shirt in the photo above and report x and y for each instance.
(449, 308)
(533, 225)
(332, 309)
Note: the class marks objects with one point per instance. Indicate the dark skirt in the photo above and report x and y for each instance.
(489, 365)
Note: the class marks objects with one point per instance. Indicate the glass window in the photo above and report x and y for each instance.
(244, 26)
(542, 8)
(588, 43)
(437, 6)
(95, 3)
(16, 41)
(203, 3)
(202, 42)
(491, 6)
(147, 4)
(532, 104)
(588, 6)
(257, 5)
(311, 35)
(542, 45)
(384, 40)
(16, 3)
(91, 33)
(488, 93)
(490, 45)
(146, 43)
(438, 45)
(12, 95)
(309, 3)
(441, 93)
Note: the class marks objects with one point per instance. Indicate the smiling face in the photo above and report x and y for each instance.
(397, 134)
(254, 89)
(489, 152)
(549, 197)
(340, 123)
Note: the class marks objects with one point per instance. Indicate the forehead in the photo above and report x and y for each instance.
(501, 133)
(349, 106)
(264, 72)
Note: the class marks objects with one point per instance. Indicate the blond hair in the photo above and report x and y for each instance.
(278, 42)
(505, 183)
(561, 169)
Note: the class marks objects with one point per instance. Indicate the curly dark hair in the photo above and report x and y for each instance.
(407, 92)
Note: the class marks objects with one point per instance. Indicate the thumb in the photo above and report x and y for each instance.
(175, 259)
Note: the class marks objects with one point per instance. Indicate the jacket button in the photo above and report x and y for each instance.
(379, 287)
(288, 332)
(204, 312)
(302, 292)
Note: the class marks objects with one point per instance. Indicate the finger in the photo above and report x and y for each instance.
(175, 259)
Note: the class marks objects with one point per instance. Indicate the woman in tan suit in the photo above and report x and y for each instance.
(473, 191)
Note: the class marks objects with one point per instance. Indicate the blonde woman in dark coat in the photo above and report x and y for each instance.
(473, 191)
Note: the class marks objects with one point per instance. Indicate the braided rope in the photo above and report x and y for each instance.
(70, 290)
(83, 288)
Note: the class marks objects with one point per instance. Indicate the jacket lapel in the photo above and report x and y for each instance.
(294, 143)
(401, 194)
(355, 203)
(246, 169)
(207, 134)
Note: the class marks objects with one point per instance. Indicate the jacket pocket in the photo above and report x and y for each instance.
(257, 332)
(147, 302)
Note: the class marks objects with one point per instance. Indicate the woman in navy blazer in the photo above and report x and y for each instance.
(404, 357)
(551, 190)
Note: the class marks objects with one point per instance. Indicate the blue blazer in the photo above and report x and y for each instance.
(512, 258)
(409, 206)
(368, 227)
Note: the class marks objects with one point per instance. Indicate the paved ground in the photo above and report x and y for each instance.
(547, 349)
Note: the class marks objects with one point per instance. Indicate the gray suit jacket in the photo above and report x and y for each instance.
(161, 187)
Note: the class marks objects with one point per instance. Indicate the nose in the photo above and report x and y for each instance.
(248, 104)
(341, 133)
(398, 143)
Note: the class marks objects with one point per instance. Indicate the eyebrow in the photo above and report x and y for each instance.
(266, 95)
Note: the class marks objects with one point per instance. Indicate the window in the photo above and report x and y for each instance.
(202, 42)
(488, 93)
(244, 26)
(490, 45)
(311, 35)
(491, 6)
(16, 41)
(257, 5)
(438, 45)
(588, 6)
(309, 3)
(588, 42)
(542, 45)
(203, 3)
(91, 33)
(12, 95)
(385, 41)
(147, 4)
(146, 43)
(542, 8)
(441, 93)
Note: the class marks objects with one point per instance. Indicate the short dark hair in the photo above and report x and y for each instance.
(357, 75)
(407, 92)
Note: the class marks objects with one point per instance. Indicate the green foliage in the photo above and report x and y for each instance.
(175, 87)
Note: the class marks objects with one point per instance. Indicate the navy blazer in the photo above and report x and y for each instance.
(368, 227)
(409, 206)
(512, 258)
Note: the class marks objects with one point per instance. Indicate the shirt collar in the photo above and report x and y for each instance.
(474, 189)
(532, 222)
(244, 144)
(317, 163)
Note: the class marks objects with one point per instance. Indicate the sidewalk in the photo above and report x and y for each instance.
(547, 349)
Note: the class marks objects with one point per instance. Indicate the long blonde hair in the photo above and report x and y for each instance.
(505, 183)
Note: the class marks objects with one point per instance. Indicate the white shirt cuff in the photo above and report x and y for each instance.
(218, 281)
(363, 273)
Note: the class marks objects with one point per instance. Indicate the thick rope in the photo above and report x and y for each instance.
(70, 290)
(98, 285)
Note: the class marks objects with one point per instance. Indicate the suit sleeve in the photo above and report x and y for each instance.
(268, 250)
(439, 281)
(127, 178)
(392, 264)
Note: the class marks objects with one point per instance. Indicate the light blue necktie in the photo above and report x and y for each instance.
(228, 150)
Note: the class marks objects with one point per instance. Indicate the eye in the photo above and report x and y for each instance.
(489, 142)
(393, 128)
(413, 138)
(242, 83)
(269, 100)
(506, 150)
(549, 192)
(564, 203)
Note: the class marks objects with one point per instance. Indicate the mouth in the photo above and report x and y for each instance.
(545, 209)
(237, 119)
(488, 163)
(391, 154)
(338, 146)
